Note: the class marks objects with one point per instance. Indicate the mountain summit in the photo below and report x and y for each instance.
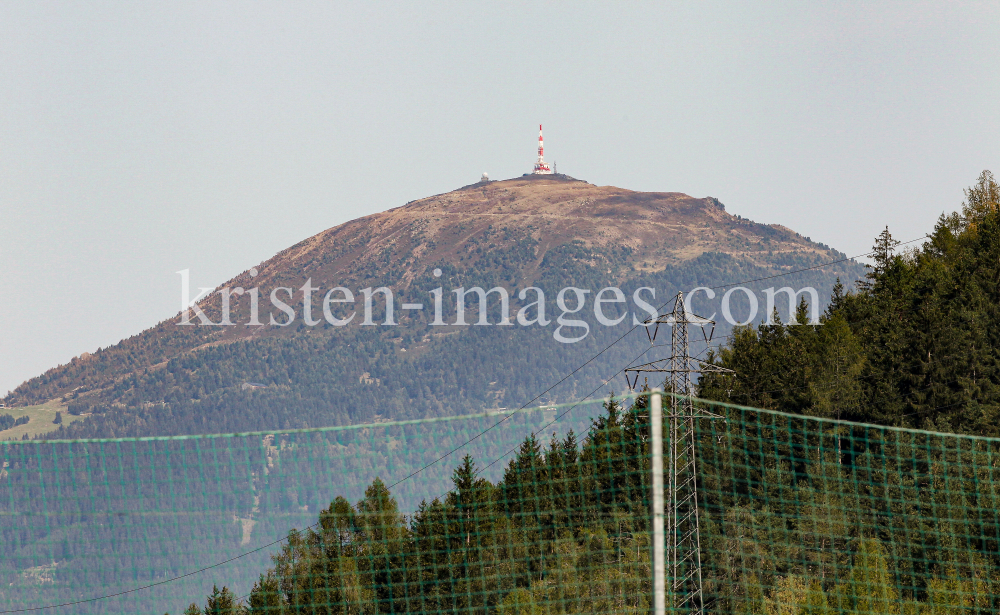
(655, 229)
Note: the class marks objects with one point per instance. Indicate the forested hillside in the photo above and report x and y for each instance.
(342, 376)
(917, 343)
(548, 233)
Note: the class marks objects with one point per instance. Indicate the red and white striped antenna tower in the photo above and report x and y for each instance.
(541, 167)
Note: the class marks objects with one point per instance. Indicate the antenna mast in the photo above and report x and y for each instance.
(541, 167)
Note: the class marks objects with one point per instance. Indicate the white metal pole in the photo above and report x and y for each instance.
(659, 563)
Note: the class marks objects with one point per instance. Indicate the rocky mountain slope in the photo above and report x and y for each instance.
(656, 228)
(544, 231)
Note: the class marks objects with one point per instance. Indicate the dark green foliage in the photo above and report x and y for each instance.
(917, 344)
(7, 421)
(222, 602)
(535, 536)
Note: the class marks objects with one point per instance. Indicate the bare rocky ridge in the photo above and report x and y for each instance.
(659, 228)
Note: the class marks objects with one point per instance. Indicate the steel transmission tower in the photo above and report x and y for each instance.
(681, 589)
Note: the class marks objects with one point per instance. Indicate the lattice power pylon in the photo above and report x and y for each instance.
(680, 586)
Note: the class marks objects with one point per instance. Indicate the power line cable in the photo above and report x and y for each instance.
(577, 403)
(583, 399)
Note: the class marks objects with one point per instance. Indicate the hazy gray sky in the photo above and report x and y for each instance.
(138, 139)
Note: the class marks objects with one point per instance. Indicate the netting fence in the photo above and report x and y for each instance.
(797, 515)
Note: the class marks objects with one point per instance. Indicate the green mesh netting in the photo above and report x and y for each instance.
(797, 515)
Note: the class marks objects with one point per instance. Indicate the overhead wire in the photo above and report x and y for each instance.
(583, 399)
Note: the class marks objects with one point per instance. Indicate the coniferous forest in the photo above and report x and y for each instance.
(916, 344)
(319, 376)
